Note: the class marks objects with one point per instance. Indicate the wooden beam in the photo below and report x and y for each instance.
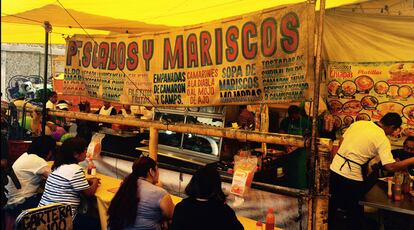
(153, 143)
(238, 134)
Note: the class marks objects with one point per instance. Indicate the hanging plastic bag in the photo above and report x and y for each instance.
(245, 166)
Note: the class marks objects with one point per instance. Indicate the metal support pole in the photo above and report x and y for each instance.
(314, 146)
(48, 28)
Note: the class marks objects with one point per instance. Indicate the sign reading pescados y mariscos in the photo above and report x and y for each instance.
(262, 57)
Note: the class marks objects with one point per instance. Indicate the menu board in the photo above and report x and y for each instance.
(368, 91)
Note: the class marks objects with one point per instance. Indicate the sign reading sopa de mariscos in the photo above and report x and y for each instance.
(262, 57)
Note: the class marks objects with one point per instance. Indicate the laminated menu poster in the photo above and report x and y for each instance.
(367, 91)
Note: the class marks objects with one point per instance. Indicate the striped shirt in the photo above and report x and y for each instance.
(64, 185)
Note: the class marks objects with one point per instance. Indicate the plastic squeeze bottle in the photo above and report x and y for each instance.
(93, 170)
(259, 225)
(270, 220)
(389, 192)
(90, 167)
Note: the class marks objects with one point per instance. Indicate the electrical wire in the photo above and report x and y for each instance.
(28, 19)
(133, 83)
(192, 11)
(32, 20)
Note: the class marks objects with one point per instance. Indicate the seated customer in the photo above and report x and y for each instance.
(139, 203)
(30, 168)
(205, 207)
(405, 153)
(67, 181)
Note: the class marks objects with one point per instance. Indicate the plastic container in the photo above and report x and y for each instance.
(397, 192)
(93, 171)
(270, 220)
(398, 181)
(406, 187)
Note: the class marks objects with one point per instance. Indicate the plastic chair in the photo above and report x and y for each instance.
(54, 216)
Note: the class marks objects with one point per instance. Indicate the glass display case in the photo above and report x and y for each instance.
(200, 147)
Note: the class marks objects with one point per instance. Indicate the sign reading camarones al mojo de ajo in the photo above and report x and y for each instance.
(262, 57)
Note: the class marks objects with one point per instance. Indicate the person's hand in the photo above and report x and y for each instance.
(290, 149)
(165, 224)
(94, 180)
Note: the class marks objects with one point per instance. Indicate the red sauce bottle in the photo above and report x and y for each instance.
(270, 220)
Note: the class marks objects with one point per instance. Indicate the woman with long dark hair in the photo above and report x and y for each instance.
(139, 203)
(205, 207)
(67, 181)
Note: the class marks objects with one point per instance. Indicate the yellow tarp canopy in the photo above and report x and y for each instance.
(354, 30)
(21, 20)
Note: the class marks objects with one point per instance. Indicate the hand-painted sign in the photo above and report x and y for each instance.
(260, 57)
(55, 216)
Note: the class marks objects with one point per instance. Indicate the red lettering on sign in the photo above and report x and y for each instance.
(205, 40)
(148, 52)
(132, 61)
(269, 37)
(231, 40)
(169, 59)
(290, 33)
(112, 59)
(249, 31)
(192, 52)
(86, 59)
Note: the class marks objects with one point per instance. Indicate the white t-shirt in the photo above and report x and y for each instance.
(64, 185)
(28, 169)
(362, 141)
(126, 115)
(147, 114)
(50, 105)
(104, 111)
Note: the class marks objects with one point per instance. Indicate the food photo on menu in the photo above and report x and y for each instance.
(364, 83)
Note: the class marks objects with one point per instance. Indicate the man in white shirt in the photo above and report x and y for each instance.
(51, 103)
(148, 113)
(108, 110)
(361, 142)
(30, 169)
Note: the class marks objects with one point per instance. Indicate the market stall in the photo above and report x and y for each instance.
(228, 62)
